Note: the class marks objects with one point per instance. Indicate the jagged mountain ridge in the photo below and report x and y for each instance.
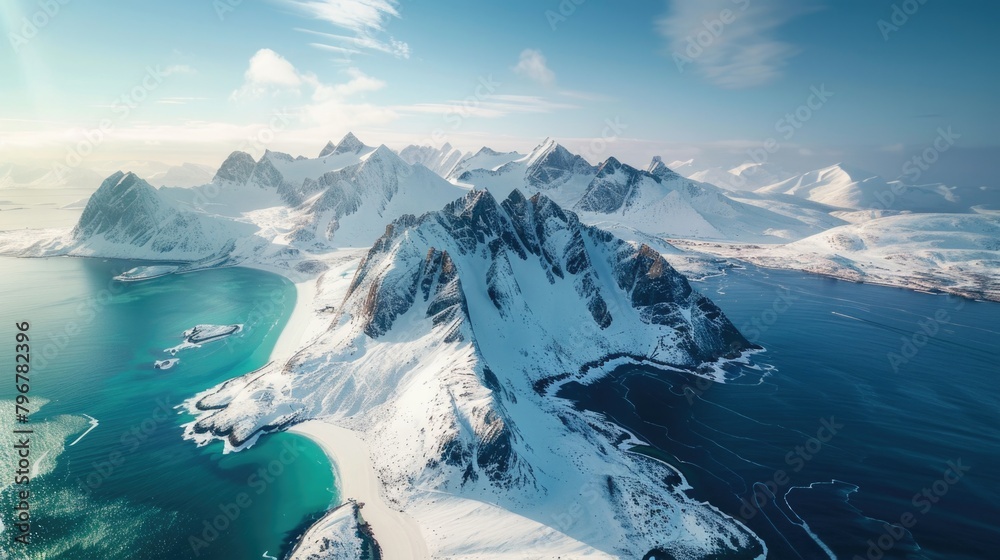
(549, 168)
(127, 216)
(456, 329)
(661, 202)
(343, 198)
(485, 158)
(350, 206)
(439, 160)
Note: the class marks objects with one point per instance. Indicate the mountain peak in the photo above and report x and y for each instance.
(236, 169)
(610, 165)
(273, 155)
(328, 149)
(123, 199)
(848, 172)
(659, 169)
(487, 151)
(542, 150)
(383, 154)
(550, 165)
(349, 143)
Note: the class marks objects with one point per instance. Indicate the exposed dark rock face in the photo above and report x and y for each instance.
(236, 169)
(538, 230)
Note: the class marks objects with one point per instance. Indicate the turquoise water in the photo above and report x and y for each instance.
(865, 398)
(132, 487)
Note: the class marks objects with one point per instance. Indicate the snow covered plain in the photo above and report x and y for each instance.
(952, 253)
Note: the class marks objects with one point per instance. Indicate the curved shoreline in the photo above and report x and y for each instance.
(397, 533)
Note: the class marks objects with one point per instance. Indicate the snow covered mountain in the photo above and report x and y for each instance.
(349, 144)
(549, 168)
(446, 353)
(261, 210)
(657, 201)
(660, 202)
(344, 198)
(844, 187)
(953, 253)
(745, 177)
(351, 206)
(439, 160)
(486, 159)
(751, 175)
(127, 218)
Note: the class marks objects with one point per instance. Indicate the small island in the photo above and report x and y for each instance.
(165, 364)
(146, 273)
(200, 334)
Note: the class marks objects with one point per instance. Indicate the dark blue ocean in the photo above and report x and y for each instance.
(869, 428)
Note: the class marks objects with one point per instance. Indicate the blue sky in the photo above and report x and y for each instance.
(201, 78)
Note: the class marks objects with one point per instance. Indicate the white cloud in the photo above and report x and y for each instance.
(359, 83)
(268, 72)
(355, 15)
(732, 43)
(532, 65)
(364, 22)
(330, 104)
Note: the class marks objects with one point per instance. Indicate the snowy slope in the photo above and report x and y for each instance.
(336, 536)
(954, 253)
(127, 218)
(549, 168)
(439, 160)
(745, 177)
(844, 187)
(350, 207)
(752, 175)
(661, 202)
(486, 159)
(264, 211)
(446, 352)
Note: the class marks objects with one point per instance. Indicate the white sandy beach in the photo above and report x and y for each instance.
(299, 325)
(396, 532)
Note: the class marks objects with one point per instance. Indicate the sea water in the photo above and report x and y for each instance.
(870, 427)
(132, 487)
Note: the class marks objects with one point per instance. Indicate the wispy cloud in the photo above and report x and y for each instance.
(532, 65)
(490, 106)
(348, 46)
(363, 24)
(732, 43)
